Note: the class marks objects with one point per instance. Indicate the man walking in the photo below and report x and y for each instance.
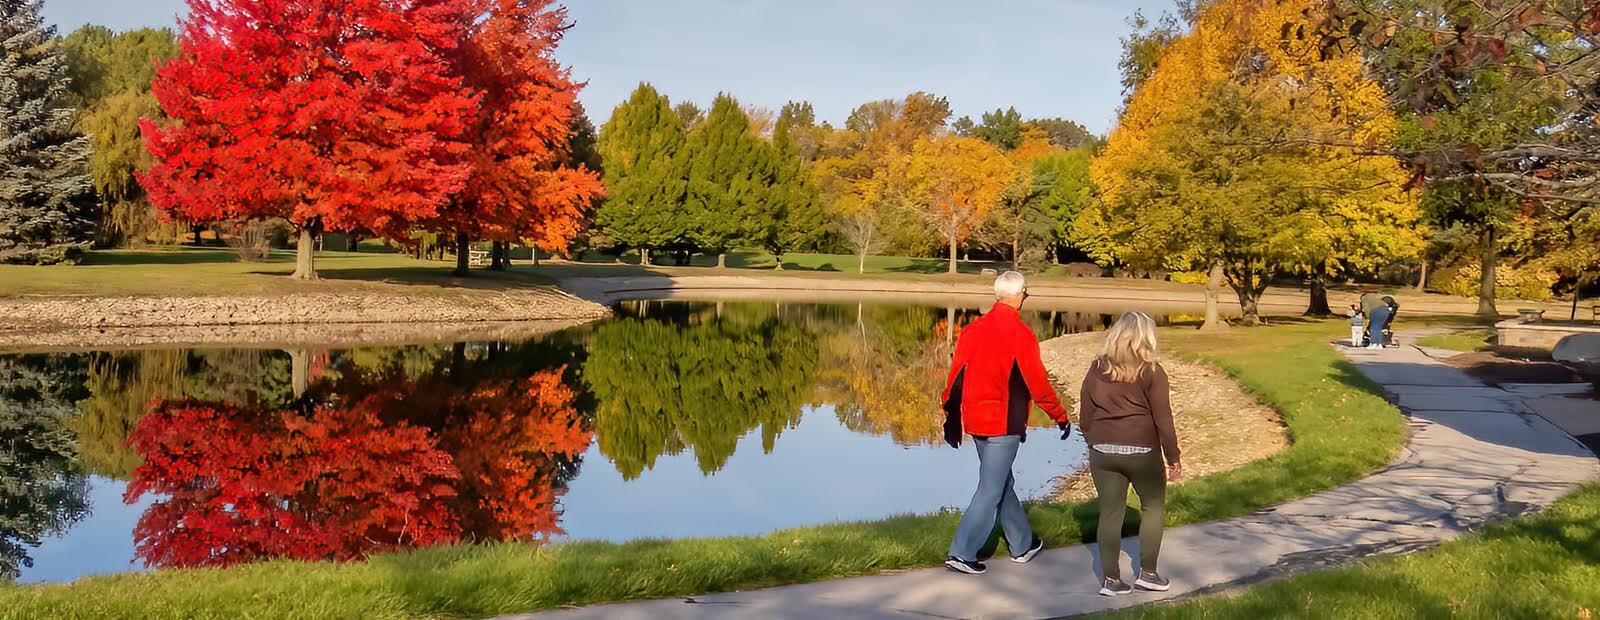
(995, 376)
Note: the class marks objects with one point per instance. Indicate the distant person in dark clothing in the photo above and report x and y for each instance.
(1380, 311)
(994, 379)
(1126, 415)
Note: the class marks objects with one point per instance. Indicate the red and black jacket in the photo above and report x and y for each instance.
(994, 377)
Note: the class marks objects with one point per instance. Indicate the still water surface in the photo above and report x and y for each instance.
(671, 419)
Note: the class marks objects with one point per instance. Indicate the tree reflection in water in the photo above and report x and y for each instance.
(387, 449)
(696, 377)
(41, 492)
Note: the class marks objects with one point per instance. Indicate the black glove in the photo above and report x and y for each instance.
(1066, 429)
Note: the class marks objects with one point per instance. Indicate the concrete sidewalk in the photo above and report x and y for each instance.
(1475, 455)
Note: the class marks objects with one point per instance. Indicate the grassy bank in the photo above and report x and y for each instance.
(218, 271)
(1341, 429)
(1546, 566)
(1482, 339)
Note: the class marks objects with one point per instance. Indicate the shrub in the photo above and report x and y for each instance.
(1510, 282)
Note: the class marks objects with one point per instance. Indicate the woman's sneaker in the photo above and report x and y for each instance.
(1152, 582)
(965, 566)
(1033, 550)
(1114, 587)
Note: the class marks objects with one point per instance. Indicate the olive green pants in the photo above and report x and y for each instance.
(1112, 474)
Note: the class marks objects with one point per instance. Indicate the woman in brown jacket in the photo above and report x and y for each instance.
(1126, 417)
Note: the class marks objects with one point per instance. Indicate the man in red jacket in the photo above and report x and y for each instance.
(994, 378)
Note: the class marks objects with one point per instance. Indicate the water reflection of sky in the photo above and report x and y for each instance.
(100, 544)
(671, 419)
(819, 472)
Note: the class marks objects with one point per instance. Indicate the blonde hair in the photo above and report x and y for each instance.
(1130, 346)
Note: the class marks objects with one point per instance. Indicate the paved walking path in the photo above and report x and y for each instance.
(1475, 455)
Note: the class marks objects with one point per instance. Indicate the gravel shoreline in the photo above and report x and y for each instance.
(61, 322)
(1220, 426)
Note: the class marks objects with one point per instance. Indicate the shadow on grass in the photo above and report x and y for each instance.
(195, 256)
(483, 279)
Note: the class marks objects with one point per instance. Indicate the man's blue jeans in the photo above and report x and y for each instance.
(994, 497)
(1380, 316)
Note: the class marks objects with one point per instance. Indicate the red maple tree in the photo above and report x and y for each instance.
(335, 114)
(521, 186)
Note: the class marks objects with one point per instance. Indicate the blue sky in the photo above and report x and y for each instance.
(1046, 57)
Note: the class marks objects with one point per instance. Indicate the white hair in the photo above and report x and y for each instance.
(1009, 284)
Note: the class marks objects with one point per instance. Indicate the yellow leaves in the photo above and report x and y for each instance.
(952, 174)
(1244, 136)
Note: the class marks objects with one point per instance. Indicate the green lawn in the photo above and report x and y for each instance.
(1546, 566)
(1342, 429)
(1482, 339)
(217, 271)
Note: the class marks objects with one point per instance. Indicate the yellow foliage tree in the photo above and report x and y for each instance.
(861, 168)
(1222, 160)
(955, 182)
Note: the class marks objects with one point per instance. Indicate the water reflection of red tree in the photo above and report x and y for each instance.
(339, 482)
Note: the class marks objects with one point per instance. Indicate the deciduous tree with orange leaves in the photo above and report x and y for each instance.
(521, 185)
(957, 181)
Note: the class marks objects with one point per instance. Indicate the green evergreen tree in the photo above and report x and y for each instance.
(640, 148)
(46, 199)
(796, 218)
(730, 179)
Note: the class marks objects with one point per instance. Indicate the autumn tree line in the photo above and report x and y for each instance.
(1259, 139)
(898, 176)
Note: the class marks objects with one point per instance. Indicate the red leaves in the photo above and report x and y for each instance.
(242, 484)
(376, 114)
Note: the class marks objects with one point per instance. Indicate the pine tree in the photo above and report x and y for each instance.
(47, 210)
(640, 146)
(796, 218)
(730, 174)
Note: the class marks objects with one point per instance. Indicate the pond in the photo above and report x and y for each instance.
(670, 419)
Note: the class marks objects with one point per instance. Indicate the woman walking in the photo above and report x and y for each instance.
(1126, 417)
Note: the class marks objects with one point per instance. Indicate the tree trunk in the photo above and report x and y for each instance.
(722, 260)
(353, 242)
(1318, 305)
(644, 257)
(501, 255)
(463, 255)
(1422, 280)
(299, 371)
(950, 325)
(305, 266)
(952, 253)
(534, 253)
(1016, 249)
(777, 259)
(196, 230)
(861, 261)
(1214, 320)
(1490, 257)
(1249, 305)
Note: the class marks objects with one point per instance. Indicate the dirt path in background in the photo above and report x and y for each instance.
(1077, 293)
(1220, 427)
